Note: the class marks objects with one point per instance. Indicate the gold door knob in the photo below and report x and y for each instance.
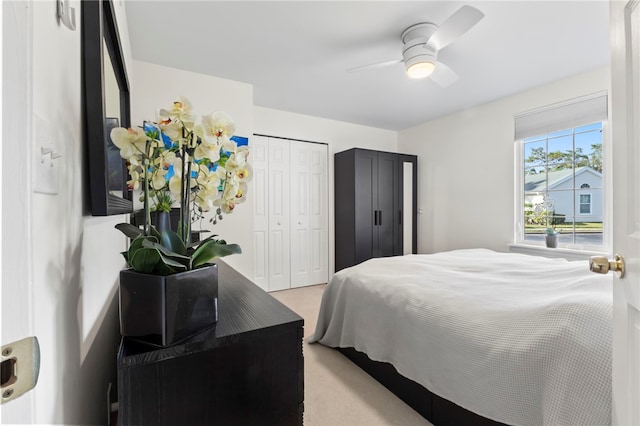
(602, 265)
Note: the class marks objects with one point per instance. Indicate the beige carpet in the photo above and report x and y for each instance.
(336, 391)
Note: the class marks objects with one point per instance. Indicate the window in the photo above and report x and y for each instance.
(556, 168)
(585, 203)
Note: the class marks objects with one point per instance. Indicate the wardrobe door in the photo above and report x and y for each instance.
(309, 218)
(366, 205)
(388, 189)
(375, 205)
(345, 207)
(260, 191)
(279, 250)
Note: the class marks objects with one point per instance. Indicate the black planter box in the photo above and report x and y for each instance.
(163, 310)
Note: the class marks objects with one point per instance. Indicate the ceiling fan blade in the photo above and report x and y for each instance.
(376, 65)
(457, 24)
(443, 75)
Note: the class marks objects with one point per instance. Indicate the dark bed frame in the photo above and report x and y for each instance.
(437, 410)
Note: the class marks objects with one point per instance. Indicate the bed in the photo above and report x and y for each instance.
(510, 338)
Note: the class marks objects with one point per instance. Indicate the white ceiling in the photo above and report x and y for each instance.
(295, 53)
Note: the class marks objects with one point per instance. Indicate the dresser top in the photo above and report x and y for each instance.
(244, 311)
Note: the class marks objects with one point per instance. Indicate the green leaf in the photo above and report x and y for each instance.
(129, 230)
(212, 249)
(145, 259)
(163, 269)
(173, 242)
(165, 251)
(198, 243)
(137, 244)
(170, 262)
(155, 233)
(173, 264)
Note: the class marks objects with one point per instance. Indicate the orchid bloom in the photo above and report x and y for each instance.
(244, 173)
(205, 151)
(226, 206)
(181, 111)
(230, 190)
(221, 172)
(171, 128)
(241, 194)
(175, 186)
(219, 167)
(208, 183)
(158, 180)
(130, 141)
(134, 182)
(205, 197)
(168, 158)
(175, 183)
(238, 167)
(241, 154)
(218, 128)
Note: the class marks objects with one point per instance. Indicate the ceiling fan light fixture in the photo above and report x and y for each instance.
(420, 70)
(422, 42)
(419, 61)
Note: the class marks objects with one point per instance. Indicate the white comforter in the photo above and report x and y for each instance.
(519, 339)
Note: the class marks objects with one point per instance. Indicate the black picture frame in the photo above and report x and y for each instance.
(100, 29)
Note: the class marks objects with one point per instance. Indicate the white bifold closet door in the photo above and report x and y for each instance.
(291, 213)
(279, 215)
(309, 233)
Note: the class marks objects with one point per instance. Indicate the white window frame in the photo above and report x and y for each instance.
(569, 251)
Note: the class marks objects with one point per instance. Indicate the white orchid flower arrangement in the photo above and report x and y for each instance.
(197, 165)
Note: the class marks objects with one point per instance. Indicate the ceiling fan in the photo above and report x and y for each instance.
(423, 41)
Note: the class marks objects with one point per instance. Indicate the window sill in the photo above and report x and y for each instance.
(569, 254)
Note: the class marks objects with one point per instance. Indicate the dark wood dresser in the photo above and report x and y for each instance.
(246, 370)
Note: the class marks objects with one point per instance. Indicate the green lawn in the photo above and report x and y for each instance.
(595, 227)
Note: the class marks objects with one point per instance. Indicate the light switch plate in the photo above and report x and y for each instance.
(45, 164)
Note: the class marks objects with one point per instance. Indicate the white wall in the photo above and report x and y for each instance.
(337, 134)
(466, 167)
(75, 258)
(154, 87)
(16, 297)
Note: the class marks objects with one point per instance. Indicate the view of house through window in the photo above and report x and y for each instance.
(563, 187)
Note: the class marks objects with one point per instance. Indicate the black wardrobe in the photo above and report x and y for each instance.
(371, 205)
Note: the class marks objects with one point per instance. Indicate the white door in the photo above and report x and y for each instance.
(260, 192)
(279, 262)
(291, 219)
(309, 216)
(15, 296)
(625, 126)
